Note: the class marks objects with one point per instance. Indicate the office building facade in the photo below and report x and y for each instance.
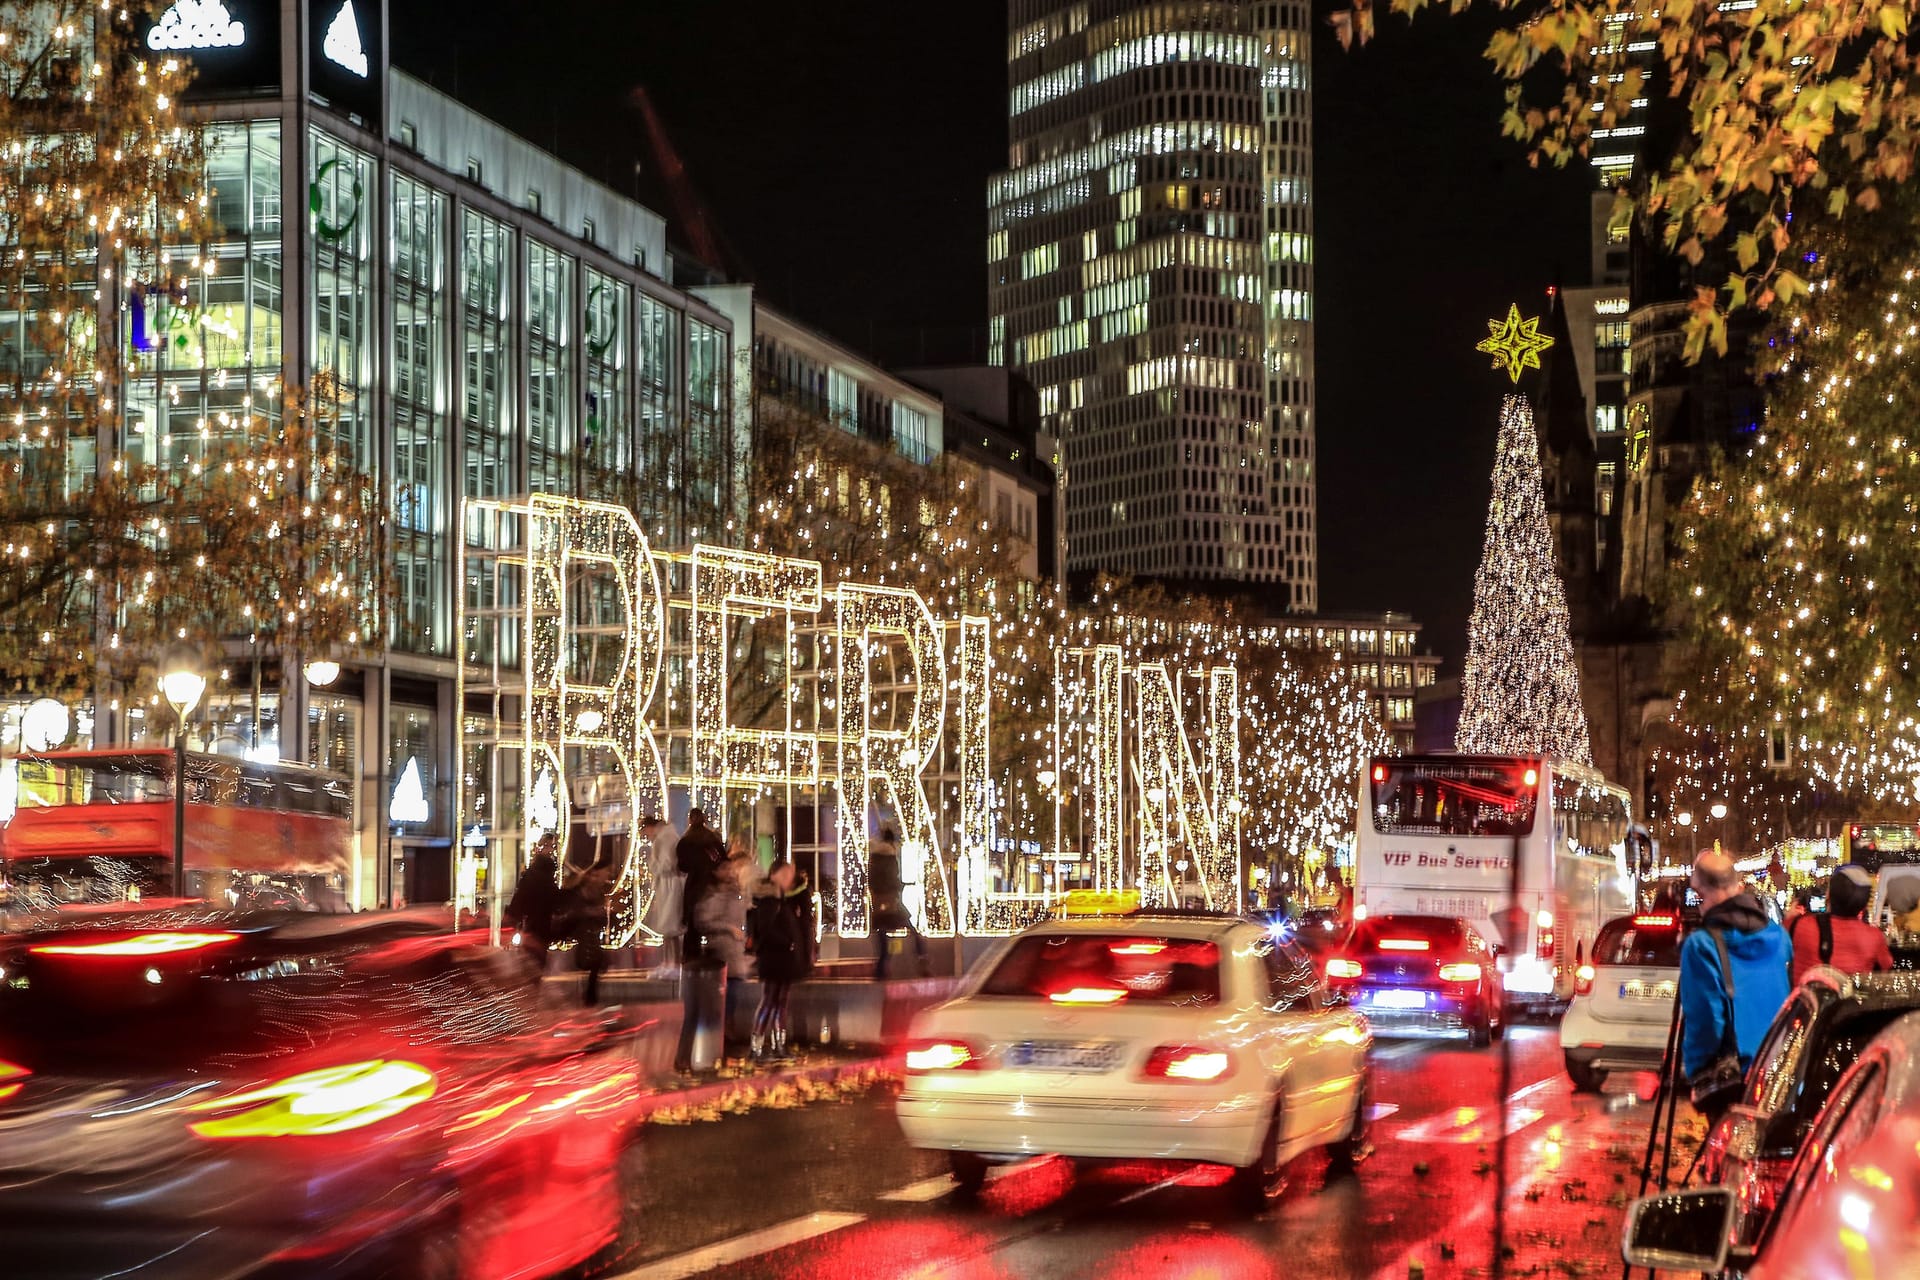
(1150, 271)
(481, 320)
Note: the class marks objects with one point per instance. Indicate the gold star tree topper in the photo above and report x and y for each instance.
(1515, 344)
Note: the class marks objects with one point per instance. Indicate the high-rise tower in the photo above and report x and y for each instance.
(1150, 270)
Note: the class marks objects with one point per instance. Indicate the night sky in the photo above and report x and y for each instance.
(842, 149)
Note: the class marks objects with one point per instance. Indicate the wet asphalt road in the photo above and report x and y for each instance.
(831, 1190)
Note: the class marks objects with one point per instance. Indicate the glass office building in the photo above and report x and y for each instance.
(479, 320)
(1150, 271)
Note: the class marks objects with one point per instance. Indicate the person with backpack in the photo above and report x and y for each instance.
(1733, 979)
(1840, 936)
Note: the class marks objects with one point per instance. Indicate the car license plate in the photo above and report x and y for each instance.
(1638, 990)
(1063, 1055)
(1399, 1000)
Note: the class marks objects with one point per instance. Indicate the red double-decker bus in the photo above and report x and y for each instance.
(97, 826)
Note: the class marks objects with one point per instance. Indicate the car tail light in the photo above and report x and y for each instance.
(1360, 911)
(1653, 922)
(330, 1100)
(1338, 968)
(942, 1055)
(1583, 980)
(12, 1076)
(1465, 971)
(140, 944)
(1089, 995)
(1137, 948)
(1769, 1181)
(1405, 944)
(1543, 945)
(1196, 1063)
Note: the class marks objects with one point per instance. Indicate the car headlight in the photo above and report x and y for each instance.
(329, 1100)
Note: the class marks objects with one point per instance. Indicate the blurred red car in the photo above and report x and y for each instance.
(200, 1094)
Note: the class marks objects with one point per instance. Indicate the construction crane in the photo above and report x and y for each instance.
(694, 224)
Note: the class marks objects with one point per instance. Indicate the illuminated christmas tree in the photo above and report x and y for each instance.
(1521, 691)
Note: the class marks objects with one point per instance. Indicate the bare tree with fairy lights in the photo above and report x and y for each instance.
(1521, 690)
(117, 543)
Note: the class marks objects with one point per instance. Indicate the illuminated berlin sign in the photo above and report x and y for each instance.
(197, 24)
(1149, 804)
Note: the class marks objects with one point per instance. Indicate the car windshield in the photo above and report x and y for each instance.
(1647, 941)
(1108, 968)
(1382, 933)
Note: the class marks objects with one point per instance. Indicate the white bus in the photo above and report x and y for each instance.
(1440, 834)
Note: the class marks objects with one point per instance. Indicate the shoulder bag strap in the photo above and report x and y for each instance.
(1825, 920)
(1729, 1042)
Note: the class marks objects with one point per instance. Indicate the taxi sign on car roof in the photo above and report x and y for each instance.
(1098, 902)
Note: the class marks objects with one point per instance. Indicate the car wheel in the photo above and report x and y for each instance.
(1480, 1030)
(1346, 1154)
(1259, 1184)
(1586, 1079)
(1500, 1027)
(969, 1171)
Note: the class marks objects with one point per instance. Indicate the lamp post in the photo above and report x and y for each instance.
(181, 684)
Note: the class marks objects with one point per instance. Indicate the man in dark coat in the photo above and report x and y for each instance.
(700, 854)
(531, 908)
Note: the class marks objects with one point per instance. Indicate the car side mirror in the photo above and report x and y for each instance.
(1679, 1230)
(1498, 950)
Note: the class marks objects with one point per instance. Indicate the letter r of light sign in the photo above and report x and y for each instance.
(890, 760)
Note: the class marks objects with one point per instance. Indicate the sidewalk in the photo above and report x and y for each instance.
(741, 1087)
(650, 1009)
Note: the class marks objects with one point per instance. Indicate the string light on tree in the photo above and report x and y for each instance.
(1520, 693)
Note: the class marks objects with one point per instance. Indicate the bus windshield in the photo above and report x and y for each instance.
(1454, 798)
(1874, 844)
(116, 778)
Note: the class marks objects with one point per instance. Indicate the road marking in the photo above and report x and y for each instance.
(922, 1191)
(698, 1261)
(1404, 1049)
(940, 1183)
(1477, 1124)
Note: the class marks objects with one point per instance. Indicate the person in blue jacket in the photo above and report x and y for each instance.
(1759, 952)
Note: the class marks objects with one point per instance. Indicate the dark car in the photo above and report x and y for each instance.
(205, 1094)
(1851, 1203)
(1323, 931)
(1815, 1037)
(1421, 973)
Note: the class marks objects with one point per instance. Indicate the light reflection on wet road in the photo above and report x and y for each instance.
(831, 1191)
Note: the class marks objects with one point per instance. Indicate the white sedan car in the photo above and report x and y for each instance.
(1174, 1037)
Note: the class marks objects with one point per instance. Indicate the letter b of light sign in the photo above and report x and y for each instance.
(595, 624)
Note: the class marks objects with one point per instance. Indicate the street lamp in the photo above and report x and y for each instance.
(322, 672)
(181, 684)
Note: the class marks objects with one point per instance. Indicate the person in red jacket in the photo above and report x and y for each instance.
(1838, 936)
